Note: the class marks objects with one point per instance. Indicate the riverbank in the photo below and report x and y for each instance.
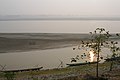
(71, 73)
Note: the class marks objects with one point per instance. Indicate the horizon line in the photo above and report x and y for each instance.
(43, 18)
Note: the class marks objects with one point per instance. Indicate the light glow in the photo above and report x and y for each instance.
(91, 56)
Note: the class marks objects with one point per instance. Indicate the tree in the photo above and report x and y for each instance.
(114, 49)
(97, 40)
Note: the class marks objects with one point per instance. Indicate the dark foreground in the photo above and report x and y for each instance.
(83, 72)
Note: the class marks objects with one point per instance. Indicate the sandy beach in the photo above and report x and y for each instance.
(21, 42)
(17, 44)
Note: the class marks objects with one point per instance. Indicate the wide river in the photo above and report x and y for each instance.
(48, 59)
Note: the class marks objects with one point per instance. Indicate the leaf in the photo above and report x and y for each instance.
(90, 32)
(98, 29)
(117, 34)
(73, 48)
(112, 42)
(116, 42)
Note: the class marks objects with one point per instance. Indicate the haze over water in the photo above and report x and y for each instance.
(58, 26)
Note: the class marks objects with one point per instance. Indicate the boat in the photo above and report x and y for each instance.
(78, 63)
(23, 70)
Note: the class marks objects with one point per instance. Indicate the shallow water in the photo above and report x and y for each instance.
(48, 59)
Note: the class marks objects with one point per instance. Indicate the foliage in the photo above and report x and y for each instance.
(99, 38)
(114, 49)
(9, 75)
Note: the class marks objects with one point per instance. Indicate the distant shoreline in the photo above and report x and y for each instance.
(55, 17)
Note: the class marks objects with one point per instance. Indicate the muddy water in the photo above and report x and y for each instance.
(48, 59)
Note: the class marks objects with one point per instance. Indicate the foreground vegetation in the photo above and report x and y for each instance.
(83, 72)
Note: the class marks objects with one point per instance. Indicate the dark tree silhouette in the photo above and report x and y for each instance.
(97, 40)
(114, 49)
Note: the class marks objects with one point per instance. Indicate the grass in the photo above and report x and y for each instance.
(71, 72)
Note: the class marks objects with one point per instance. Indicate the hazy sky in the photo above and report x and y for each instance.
(58, 7)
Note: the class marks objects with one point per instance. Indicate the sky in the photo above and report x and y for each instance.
(104, 8)
(60, 7)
